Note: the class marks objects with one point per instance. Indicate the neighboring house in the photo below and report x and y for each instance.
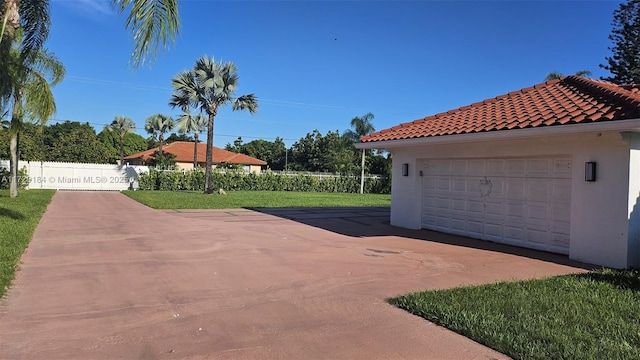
(183, 150)
(554, 167)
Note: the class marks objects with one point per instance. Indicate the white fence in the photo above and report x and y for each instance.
(77, 176)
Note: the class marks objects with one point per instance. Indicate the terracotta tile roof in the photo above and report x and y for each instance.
(569, 100)
(183, 150)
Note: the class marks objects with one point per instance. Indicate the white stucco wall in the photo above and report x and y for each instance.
(601, 232)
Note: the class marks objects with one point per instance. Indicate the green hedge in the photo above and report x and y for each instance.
(238, 180)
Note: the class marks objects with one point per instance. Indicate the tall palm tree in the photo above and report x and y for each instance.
(360, 126)
(209, 86)
(158, 125)
(24, 27)
(122, 126)
(32, 77)
(188, 123)
(31, 16)
(153, 24)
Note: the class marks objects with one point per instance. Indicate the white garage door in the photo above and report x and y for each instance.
(522, 202)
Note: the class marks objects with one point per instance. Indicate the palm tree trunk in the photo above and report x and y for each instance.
(13, 165)
(13, 145)
(11, 18)
(362, 174)
(121, 150)
(208, 187)
(195, 150)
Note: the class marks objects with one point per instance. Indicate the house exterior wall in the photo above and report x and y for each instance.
(605, 214)
(184, 165)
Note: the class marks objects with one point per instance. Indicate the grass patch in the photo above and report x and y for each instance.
(18, 219)
(586, 316)
(254, 199)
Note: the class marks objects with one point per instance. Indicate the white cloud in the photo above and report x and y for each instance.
(87, 7)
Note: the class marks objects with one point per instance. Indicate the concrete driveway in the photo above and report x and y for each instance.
(108, 278)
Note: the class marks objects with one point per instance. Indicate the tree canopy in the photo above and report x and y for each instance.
(624, 63)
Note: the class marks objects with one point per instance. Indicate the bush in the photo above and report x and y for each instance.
(5, 177)
(239, 180)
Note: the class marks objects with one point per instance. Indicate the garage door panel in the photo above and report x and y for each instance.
(459, 167)
(515, 188)
(537, 236)
(562, 169)
(494, 208)
(476, 167)
(459, 185)
(515, 234)
(475, 206)
(560, 191)
(474, 228)
(539, 168)
(538, 190)
(429, 183)
(515, 167)
(459, 205)
(495, 167)
(524, 202)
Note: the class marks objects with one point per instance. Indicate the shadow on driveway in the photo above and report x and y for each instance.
(374, 221)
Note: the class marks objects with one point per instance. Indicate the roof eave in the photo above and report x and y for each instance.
(612, 125)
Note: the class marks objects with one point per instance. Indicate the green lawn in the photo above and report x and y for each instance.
(253, 199)
(18, 219)
(587, 316)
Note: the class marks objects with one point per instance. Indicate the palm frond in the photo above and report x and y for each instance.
(153, 24)
(122, 125)
(35, 22)
(246, 102)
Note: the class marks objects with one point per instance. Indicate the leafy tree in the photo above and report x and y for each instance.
(31, 145)
(53, 132)
(237, 145)
(209, 86)
(157, 125)
(31, 77)
(273, 152)
(122, 126)
(177, 137)
(360, 126)
(195, 124)
(624, 64)
(326, 153)
(132, 144)
(554, 75)
(80, 144)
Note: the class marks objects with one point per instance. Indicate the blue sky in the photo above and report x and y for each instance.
(317, 64)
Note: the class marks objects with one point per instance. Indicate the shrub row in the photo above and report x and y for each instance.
(238, 180)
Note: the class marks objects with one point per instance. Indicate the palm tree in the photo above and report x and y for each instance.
(24, 28)
(153, 23)
(195, 124)
(209, 86)
(158, 125)
(32, 16)
(32, 77)
(554, 75)
(361, 126)
(122, 125)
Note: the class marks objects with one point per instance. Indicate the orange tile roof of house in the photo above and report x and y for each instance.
(570, 100)
(183, 150)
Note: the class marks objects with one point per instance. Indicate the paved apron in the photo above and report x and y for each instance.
(108, 278)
